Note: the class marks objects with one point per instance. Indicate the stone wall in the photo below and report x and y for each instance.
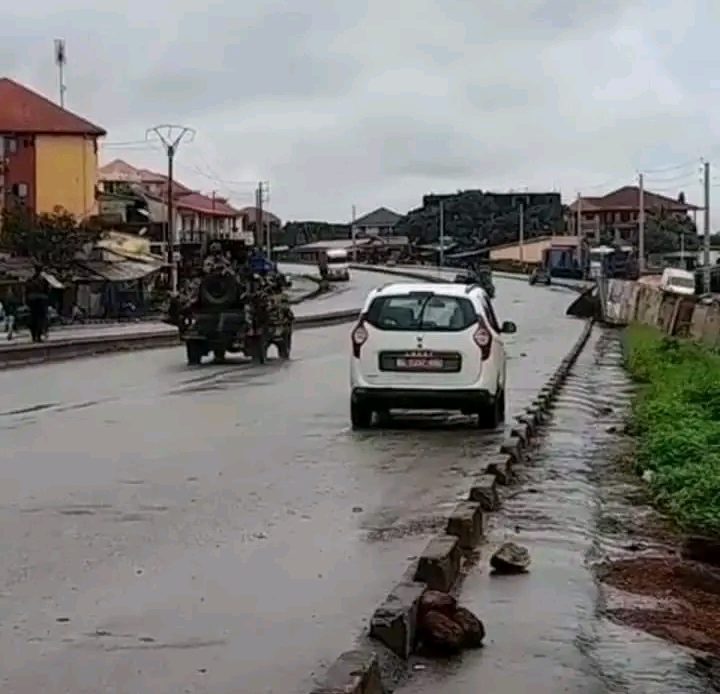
(684, 316)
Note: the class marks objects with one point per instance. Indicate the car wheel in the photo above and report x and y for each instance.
(360, 415)
(194, 352)
(492, 413)
(219, 355)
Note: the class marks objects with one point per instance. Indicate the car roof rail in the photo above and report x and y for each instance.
(470, 287)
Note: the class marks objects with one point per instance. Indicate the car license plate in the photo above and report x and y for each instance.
(424, 363)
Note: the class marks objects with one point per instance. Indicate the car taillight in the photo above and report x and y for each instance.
(359, 337)
(483, 338)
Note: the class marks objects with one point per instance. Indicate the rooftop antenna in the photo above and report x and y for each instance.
(60, 60)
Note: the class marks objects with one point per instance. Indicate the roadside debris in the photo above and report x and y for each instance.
(445, 628)
(510, 559)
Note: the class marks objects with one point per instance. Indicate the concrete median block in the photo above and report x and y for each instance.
(484, 491)
(525, 420)
(522, 432)
(536, 413)
(354, 672)
(439, 565)
(467, 523)
(512, 447)
(394, 623)
(501, 468)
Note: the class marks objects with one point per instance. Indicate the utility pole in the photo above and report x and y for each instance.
(353, 232)
(264, 238)
(171, 136)
(442, 233)
(521, 232)
(706, 227)
(641, 224)
(60, 60)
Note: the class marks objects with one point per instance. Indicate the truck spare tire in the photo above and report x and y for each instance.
(218, 290)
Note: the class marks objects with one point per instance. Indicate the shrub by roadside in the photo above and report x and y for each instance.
(676, 417)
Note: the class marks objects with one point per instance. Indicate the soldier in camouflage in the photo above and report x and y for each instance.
(216, 262)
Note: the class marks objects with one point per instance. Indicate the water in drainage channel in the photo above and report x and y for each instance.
(548, 631)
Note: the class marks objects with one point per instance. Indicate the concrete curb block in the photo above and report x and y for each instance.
(501, 468)
(439, 564)
(354, 672)
(485, 492)
(394, 623)
(467, 523)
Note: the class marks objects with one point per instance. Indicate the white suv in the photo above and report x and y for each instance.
(428, 346)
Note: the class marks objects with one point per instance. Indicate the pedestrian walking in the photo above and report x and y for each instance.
(38, 291)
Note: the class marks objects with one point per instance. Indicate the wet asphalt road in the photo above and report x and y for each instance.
(219, 529)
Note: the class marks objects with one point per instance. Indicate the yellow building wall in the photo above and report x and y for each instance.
(66, 172)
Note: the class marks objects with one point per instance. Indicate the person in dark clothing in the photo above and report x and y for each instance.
(37, 291)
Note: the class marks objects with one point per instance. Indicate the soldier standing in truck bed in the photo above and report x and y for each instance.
(216, 262)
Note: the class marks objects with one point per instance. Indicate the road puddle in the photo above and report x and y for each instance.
(578, 510)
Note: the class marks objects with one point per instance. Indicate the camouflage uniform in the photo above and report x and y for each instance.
(216, 262)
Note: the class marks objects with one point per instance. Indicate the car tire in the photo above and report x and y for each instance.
(492, 414)
(360, 415)
(194, 352)
(219, 356)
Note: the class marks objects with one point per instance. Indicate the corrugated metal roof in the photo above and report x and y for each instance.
(122, 271)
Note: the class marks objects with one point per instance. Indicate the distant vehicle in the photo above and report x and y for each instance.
(428, 346)
(677, 281)
(540, 275)
(335, 265)
(613, 262)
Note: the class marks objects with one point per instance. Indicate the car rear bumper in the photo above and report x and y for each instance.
(420, 398)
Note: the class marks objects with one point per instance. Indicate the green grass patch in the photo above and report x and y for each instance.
(676, 417)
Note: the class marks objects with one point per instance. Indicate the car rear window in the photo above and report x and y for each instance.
(421, 311)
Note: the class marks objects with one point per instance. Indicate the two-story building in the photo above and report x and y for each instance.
(198, 218)
(616, 215)
(48, 156)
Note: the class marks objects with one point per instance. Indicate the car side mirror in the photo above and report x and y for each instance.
(508, 328)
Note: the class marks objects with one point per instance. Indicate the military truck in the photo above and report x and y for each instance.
(235, 305)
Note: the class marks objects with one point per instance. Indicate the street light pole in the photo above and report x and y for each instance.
(706, 228)
(641, 224)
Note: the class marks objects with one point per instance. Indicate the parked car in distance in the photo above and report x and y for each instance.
(677, 281)
(428, 346)
(540, 275)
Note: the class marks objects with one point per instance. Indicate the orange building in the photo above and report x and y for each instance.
(48, 156)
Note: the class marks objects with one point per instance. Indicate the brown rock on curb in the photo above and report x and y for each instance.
(473, 628)
(446, 629)
(354, 672)
(510, 559)
(439, 564)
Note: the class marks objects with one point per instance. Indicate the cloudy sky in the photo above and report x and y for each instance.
(342, 102)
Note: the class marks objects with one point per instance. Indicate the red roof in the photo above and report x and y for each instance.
(25, 111)
(197, 202)
(628, 198)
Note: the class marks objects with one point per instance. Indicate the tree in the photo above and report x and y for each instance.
(663, 231)
(53, 240)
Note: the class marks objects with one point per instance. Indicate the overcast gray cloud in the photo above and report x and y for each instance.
(376, 103)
